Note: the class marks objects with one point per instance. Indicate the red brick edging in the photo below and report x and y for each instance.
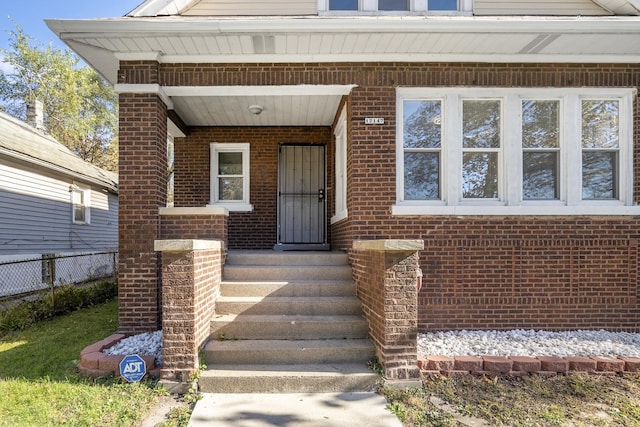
(95, 363)
(522, 365)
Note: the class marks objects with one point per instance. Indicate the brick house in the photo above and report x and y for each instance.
(493, 144)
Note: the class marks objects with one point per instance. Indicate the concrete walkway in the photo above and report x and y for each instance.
(293, 409)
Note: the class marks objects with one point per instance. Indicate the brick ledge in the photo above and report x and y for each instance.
(94, 363)
(522, 365)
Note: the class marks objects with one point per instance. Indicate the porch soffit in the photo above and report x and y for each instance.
(289, 105)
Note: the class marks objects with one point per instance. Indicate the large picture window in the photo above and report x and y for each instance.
(230, 176)
(514, 151)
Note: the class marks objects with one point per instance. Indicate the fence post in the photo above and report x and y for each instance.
(114, 270)
(49, 260)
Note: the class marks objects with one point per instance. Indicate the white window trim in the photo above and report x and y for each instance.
(416, 7)
(76, 188)
(340, 134)
(510, 191)
(232, 206)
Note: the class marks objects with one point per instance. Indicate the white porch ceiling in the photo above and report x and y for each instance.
(279, 110)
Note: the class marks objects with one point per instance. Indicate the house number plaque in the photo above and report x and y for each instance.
(374, 121)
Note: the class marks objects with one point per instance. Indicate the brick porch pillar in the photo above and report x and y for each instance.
(142, 190)
(385, 272)
(191, 276)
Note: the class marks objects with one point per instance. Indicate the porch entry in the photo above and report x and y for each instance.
(302, 202)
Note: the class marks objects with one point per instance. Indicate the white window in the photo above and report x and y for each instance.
(80, 204)
(499, 151)
(230, 176)
(418, 6)
(340, 134)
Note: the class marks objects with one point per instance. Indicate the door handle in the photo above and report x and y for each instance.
(321, 195)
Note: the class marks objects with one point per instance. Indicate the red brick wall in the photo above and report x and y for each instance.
(191, 284)
(142, 190)
(386, 285)
(247, 230)
(197, 227)
(524, 272)
(480, 272)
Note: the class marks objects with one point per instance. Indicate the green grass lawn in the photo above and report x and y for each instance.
(39, 384)
(529, 401)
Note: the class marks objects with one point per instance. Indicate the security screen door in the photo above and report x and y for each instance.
(301, 197)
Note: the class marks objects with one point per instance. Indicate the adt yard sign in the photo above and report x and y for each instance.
(133, 368)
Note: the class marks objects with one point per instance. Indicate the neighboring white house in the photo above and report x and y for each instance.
(51, 203)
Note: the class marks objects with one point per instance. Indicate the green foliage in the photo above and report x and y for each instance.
(413, 408)
(375, 365)
(80, 108)
(64, 300)
(536, 400)
(177, 417)
(39, 385)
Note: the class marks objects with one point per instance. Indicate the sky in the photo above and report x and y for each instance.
(30, 15)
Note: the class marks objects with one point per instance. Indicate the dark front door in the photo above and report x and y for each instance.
(302, 203)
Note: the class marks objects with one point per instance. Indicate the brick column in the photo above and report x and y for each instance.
(191, 275)
(385, 272)
(142, 190)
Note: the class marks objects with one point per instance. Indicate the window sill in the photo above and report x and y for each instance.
(537, 210)
(339, 216)
(233, 207)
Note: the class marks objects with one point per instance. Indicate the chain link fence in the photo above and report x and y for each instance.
(24, 277)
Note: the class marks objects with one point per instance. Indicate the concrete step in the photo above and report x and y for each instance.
(280, 352)
(286, 272)
(297, 288)
(308, 306)
(324, 378)
(308, 258)
(288, 327)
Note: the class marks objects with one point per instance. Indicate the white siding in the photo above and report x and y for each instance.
(35, 215)
(255, 7)
(540, 7)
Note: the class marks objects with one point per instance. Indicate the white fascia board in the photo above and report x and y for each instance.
(403, 57)
(153, 88)
(165, 26)
(293, 90)
(138, 56)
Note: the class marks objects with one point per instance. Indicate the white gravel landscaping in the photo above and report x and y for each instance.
(149, 344)
(469, 343)
(529, 343)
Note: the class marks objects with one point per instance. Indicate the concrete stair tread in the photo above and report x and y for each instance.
(261, 257)
(290, 378)
(298, 318)
(324, 369)
(287, 299)
(286, 345)
(299, 282)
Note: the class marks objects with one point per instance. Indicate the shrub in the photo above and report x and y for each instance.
(65, 300)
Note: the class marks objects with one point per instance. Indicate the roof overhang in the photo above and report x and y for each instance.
(103, 43)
